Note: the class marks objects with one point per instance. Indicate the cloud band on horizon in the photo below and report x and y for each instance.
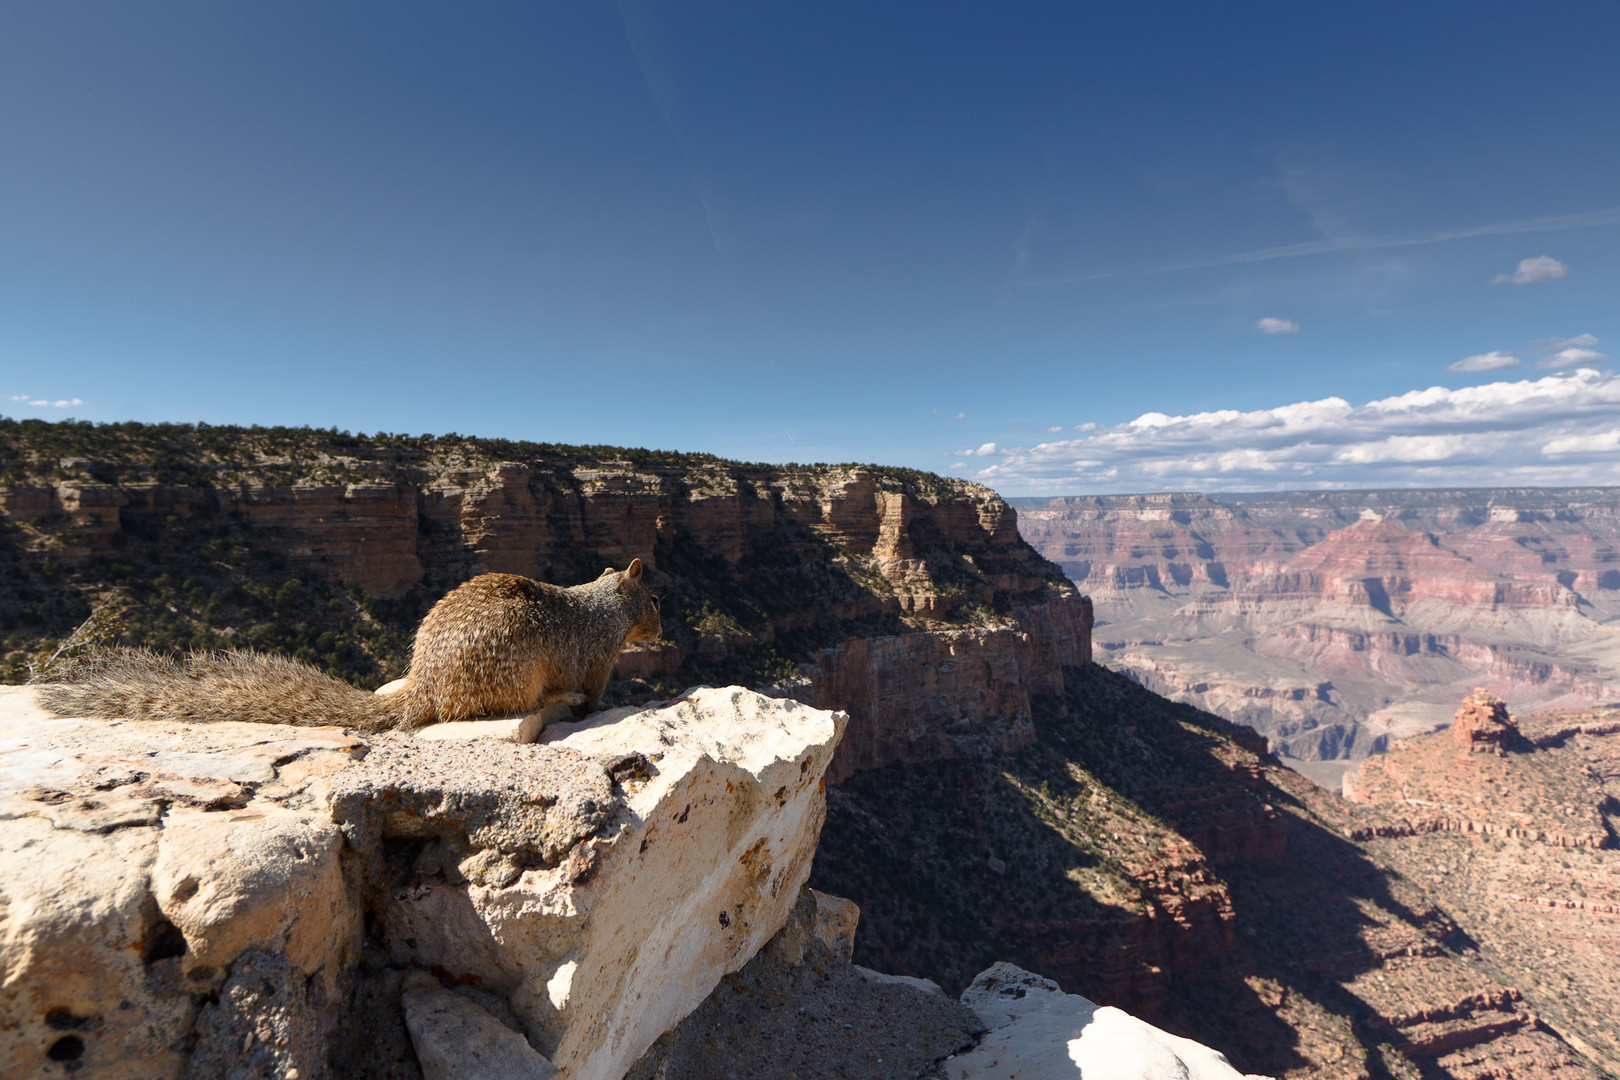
(1558, 430)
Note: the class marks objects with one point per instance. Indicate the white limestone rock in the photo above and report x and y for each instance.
(1037, 1032)
(522, 728)
(601, 883)
(604, 953)
(140, 861)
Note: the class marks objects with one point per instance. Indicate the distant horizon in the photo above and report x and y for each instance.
(1214, 495)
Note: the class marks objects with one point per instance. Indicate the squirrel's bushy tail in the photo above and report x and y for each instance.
(143, 685)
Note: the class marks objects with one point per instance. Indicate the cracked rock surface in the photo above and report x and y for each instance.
(213, 900)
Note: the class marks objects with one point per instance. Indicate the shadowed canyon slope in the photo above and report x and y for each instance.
(1335, 621)
(1150, 855)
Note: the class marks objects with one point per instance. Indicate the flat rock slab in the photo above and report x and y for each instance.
(149, 867)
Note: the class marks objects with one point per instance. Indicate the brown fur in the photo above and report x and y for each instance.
(496, 644)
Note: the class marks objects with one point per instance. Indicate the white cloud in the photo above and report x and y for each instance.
(1053, 430)
(1495, 360)
(1579, 341)
(1530, 271)
(1558, 429)
(1573, 357)
(46, 403)
(959, 416)
(1602, 442)
(1270, 325)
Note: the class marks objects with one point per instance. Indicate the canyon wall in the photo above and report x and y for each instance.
(1334, 622)
(938, 544)
(1155, 858)
(908, 600)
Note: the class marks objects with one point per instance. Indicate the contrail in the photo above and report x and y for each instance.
(1611, 216)
(638, 32)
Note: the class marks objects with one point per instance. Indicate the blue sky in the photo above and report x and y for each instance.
(1054, 235)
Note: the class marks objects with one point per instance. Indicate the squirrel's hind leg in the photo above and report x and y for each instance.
(561, 707)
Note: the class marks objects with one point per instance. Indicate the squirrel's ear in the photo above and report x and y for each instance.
(632, 573)
(606, 570)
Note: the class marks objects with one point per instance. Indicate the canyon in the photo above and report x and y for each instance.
(908, 600)
(1336, 622)
(1147, 854)
(996, 795)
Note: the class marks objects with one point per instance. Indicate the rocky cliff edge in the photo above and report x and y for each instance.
(206, 901)
(239, 901)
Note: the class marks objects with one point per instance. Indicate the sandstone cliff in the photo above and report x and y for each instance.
(1336, 621)
(908, 600)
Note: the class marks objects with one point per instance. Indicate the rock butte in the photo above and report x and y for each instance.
(1512, 824)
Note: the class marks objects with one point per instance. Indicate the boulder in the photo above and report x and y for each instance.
(698, 867)
(205, 900)
(1037, 1032)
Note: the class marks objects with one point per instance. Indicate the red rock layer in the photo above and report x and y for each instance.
(1510, 825)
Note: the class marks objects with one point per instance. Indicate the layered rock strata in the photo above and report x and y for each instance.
(949, 694)
(1335, 622)
(935, 543)
(909, 601)
(1143, 855)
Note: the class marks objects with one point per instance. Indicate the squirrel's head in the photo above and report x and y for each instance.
(645, 622)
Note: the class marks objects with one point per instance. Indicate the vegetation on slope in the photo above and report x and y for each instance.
(212, 578)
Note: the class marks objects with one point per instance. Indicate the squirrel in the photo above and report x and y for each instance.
(496, 644)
